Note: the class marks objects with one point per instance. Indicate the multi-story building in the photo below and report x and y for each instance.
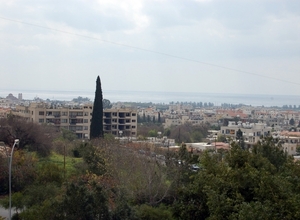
(289, 140)
(252, 132)
(73, 118)
(174, 121)
(120, 122)
(78, 118)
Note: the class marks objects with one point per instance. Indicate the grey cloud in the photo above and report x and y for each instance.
(247, 29)
(237, 15)
(86, 18)
(178, 13)
(78, 15)
(236, 34)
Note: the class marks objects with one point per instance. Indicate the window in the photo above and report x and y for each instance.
(72, 115)
(86, 128)
(64, 113)
(85, 121)
(133, 114)
(258, 133)
(56, 114)
(76, 128)
(41, 120)
(133, 120)
(41, 113)
(64, 120)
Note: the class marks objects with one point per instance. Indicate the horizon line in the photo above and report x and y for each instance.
(145, 91)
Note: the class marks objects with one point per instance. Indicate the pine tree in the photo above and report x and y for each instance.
(158, 120)
(96, 129)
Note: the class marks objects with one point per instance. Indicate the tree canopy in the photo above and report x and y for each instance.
(32, 136)
(138, 180)
(263, 184)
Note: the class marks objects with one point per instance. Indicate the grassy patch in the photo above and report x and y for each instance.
(58, 159)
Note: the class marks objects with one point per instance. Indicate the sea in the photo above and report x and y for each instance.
(162, 97)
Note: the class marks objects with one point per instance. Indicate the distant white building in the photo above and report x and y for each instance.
(179, 120)
(290, 140)
(252, 132)
(202, 146)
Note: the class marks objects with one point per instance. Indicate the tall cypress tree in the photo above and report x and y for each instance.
(96, 129)
(158, 120)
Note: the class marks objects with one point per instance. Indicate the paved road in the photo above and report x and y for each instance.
(5, 213)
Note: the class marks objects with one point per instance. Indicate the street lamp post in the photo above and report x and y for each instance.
(10, 157)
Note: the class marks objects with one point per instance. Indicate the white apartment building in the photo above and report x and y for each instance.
(172, 122)
(179, 120)
(120, 122)
(290, 140)
(252, 132)
(73, 118)
(78, 118)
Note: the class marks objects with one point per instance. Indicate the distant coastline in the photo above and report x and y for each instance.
(162, 97)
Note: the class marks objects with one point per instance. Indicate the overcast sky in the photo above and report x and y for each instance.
(152, 45)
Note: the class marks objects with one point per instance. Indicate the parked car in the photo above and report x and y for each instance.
(195, 167)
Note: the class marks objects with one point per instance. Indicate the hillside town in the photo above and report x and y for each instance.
(121, 120)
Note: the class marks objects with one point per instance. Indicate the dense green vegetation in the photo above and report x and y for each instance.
(104, 179)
